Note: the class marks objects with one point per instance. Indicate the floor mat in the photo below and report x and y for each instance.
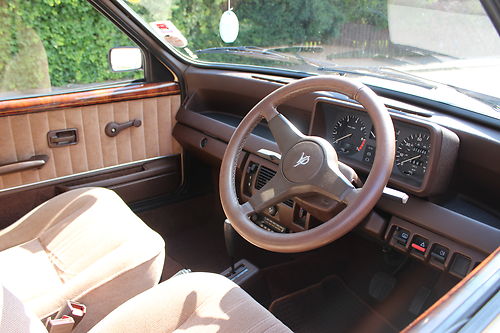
(355, 261)
(201, 249)
(193, 234)
(329, 306)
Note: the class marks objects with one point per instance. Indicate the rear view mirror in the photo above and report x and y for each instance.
(122, 59)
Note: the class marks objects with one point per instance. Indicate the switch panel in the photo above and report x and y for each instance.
(431, 248)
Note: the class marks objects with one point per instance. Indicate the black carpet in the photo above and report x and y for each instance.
(329, 306)
(193, 234)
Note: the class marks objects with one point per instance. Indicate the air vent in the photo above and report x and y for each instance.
(264, 176)
(280, 80)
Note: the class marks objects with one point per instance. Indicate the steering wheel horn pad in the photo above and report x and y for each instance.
(308, 165)
(302, 162)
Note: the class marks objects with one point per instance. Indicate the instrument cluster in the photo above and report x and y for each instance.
(353, 136)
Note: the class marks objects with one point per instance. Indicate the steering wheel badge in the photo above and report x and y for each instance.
(303, 160)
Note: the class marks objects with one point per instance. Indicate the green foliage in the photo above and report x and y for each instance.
(60, 43)
(373, 12)
(262, 23)
(199, 21)
(75, 39)
(269, 23)
(154, 10)
(281, 22)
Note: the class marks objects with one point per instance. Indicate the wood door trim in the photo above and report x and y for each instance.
(84, 98)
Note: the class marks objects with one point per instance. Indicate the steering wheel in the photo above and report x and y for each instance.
(308, 164)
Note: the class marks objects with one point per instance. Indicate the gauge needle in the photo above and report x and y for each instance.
(345, 136)
(410, 159)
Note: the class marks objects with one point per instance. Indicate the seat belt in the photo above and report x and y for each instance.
(70, 315)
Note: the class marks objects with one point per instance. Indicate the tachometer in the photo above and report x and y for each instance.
(349, 135)
(412, 154)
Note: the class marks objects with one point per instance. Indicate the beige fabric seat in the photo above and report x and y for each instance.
(83, 245)
(195, 302)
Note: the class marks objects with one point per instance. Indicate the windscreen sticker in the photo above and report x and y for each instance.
(169, 31)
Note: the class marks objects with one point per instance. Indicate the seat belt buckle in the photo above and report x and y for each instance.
(74, 310)
(65, 324)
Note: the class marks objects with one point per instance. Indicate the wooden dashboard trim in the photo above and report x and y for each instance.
(91, 97)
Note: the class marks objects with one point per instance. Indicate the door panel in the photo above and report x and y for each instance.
(25, 123)
(154, 177)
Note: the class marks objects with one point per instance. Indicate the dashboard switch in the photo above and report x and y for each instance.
(252, 168)
(300, 216)
(250, 175)
(419, 245)
(439, 253)
(369, 155)
(460, 265)
(402, 236)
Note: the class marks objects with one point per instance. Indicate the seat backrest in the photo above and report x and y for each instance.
(15, 317)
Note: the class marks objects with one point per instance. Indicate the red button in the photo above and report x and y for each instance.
(418, 247)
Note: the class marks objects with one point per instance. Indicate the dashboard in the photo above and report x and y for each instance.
(423, 150)
(438, 212)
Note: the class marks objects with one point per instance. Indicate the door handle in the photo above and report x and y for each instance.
(61, 138)
(35, 162)
(113, 128)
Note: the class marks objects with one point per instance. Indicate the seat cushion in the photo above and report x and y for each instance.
(194, 302)
(88, 246)
(15, 317)
(28, 269)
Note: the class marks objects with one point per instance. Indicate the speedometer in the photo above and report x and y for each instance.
(412, 154)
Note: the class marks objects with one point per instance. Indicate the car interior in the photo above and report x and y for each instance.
(213, 196)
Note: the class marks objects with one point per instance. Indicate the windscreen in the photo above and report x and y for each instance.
(452, 42)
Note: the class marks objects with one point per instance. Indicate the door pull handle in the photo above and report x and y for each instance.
(113, 128)
(61, 138)
(35, 162)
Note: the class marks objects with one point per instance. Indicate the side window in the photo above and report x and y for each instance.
(52, 46)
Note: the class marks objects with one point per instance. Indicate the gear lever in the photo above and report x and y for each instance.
(229, 237)
(240, 271)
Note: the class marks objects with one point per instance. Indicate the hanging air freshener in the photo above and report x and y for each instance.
(229, 25)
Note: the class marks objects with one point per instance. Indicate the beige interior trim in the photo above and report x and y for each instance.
(26, 135)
